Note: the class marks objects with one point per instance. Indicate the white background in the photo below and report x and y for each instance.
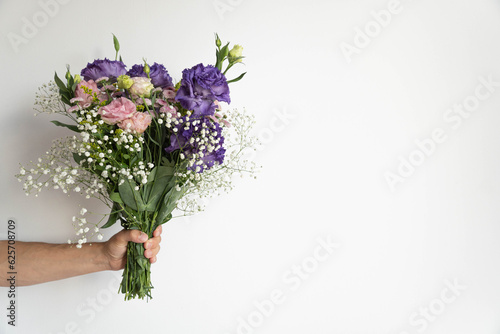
(332, 127)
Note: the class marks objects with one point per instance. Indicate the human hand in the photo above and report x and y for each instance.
(115, 249)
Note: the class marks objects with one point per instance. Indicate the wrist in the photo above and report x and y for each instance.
(100, 256)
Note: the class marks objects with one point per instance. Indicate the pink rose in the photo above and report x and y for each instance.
(137, 124)
(85, 96)
(117, 111)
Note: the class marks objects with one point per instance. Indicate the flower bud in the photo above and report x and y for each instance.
(68, 74)
(235, 54)
(147, 70)
(218, 43)
(77, 78)
(124, 82)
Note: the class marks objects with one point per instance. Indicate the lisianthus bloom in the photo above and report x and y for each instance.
(137, 124)
(117, 111)
(86, 92)
(235, 54)
(206, 151)
(141, 87)
(111, 69)
(157, 73)
(124, 82)
(200, 87)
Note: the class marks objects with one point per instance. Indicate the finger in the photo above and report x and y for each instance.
(157, 232)
(151, 253)
(152, 243)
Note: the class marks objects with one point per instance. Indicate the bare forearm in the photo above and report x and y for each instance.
(38, 262)
(41, 262)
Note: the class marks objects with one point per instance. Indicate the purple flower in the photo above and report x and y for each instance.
(200, 87)
(103, 68)
(185, 140)
(158, 74)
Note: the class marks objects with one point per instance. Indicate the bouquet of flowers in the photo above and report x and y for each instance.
(145, 146)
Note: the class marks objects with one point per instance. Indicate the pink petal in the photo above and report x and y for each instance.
(76, 99)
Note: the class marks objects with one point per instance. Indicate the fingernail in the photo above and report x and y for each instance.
(143, 237)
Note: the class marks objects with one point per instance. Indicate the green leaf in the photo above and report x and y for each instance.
(166, 162)
(134, 159)
(59, 83)
(71, 81)
(158, 182)
(71, 127)
(65, 97)
(168, 205)
(139, 256)
(65, 100)
(221, 55)
(113, 217)
(78, 158)
(131, 197)
(115, 197)
(224, 51)
(116, 43)
(238, 78)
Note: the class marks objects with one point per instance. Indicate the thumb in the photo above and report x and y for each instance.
(125, 236)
